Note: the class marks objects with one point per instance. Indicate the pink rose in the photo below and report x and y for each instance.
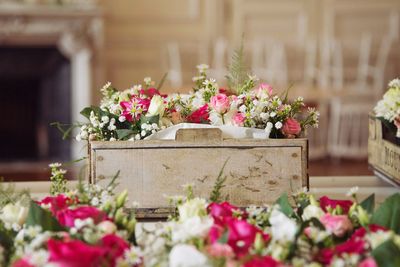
(219, 250)
(326, 202)
(67, 217)
(368, 262)
(263, 90)
(339, 225)
(291, 128)
(199, 116)
(75, 254)
(220, 103)
(24, 262)
(57, 203)
(266, 261)
(238, 119)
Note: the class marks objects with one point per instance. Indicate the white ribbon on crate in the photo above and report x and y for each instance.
(227, 131)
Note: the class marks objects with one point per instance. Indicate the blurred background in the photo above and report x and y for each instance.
(56, 54)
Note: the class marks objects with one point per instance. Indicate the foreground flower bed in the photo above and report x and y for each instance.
(89, 226)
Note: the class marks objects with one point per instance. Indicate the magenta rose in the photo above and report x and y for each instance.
(75, 253)
(368, 262)
(291, 128)
(220, 103)
(221, 211)
(326, 202)
(339, 225)
(238, 119)
(24, 262)
(115, 247)
(263, 90)
(57, 203)
(325, 256)
(361, 232)
(199, 116)
(351, 246)
(266, 261)
(67, 217)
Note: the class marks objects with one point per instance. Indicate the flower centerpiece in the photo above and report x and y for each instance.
(140, 111)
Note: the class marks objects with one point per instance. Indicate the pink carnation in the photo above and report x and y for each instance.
(220, 103)
(339, 225)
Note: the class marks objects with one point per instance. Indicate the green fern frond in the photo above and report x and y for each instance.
(237, 75)
(215, 195)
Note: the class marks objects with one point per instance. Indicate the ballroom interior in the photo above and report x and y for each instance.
(55, 55)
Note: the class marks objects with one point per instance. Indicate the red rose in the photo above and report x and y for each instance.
(75, 254)
(266, 261)
(115, 247)
(199, 116)
(351, 246)
(291, 128)
(221, 211)
(326, 202)
(57, 203)
(67, 217)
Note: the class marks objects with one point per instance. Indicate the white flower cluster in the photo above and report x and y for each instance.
(389, 107)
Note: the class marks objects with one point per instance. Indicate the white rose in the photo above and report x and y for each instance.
(14, 213)
(194, 227)
(312, 211)
(282, 227)
(192, 208)
(187, 256)
(157, 106)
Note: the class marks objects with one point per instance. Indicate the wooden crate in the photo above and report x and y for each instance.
(383, 156)
(258, 171)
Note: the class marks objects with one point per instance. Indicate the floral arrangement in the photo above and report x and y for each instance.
(388, 109)
(88, 226)
(140, 111)
(91, 226)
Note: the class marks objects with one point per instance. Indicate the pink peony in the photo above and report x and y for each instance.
(339, 225)
(368, 262)
(76, 254)
(199, 116)
(326, 202)
(263, 90)
(238, 119)
(57, 203)
(266, 261)
(291, 128)
(220, 103)
(67, 217)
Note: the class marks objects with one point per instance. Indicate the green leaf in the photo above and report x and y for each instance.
(387, 254)
(283, 202)
(224, 238)
(388, 214)
(39, 216)
(86, 112)
(149, 119)
(124, 134)
(368, 204)
(162, 81)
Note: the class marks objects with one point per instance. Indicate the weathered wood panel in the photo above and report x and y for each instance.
(257, 171)
(383, 155)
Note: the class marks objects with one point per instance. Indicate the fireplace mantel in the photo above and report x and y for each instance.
(77, 31)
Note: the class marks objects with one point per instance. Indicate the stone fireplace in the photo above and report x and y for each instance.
(50, 59)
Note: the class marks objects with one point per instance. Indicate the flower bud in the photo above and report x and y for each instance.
(122, 198)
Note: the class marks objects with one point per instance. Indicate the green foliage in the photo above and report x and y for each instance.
(39, 216)
(237, 75)
(65, 129)
(368, 204)
(283, 202)
(387, 254)
(388, 214)
(8, 195)
(161, 83)
(215, 195)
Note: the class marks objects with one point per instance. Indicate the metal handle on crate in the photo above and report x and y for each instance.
(199, 135)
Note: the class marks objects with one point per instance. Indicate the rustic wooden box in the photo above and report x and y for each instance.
(258, 171)
(383, 156)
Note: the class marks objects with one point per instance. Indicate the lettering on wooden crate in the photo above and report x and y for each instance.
(392, 158)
